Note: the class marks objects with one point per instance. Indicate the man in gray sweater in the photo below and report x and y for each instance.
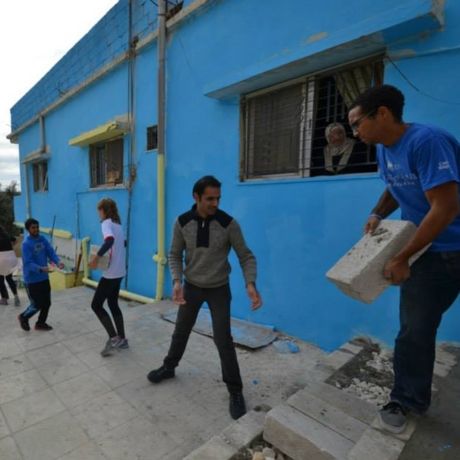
(206, 235)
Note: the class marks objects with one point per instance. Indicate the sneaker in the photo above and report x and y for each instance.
(3, 301)
(237, 405)
(122, 344)
(393, 417)
(24, 323)
(17, 301)
(163, 373)
(110, 345)
(43, 327)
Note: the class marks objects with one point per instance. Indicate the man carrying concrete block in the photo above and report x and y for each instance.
(420, 165)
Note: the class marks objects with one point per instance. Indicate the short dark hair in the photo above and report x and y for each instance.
(206, 181)
(29, 222)
(378, 96)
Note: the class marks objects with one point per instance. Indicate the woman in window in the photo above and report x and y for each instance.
(339, 148)
(108, 288)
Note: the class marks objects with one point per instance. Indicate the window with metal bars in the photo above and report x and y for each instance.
(40, 176)
(106, 163)
(286, 130)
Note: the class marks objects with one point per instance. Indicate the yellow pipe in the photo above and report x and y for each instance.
(160, 257)
(89, 282)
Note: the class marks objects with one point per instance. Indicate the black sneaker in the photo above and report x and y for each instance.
(393, 417)
(24, 323)
(43, 327)
(157, 375)
(237, 405)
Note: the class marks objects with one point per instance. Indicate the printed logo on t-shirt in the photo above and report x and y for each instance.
(38, 247)
(443, 165)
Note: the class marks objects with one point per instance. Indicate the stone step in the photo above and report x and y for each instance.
(347, 403)
(301, 437)
(236, 436)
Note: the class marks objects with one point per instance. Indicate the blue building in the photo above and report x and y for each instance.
(251, 86)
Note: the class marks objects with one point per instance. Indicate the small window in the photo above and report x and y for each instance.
(106, 162)
(301, 129)
(40, 176)
(152, 137)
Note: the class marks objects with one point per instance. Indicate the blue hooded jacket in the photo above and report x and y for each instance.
(36, 252)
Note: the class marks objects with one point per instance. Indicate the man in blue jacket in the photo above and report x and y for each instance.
(36, 252)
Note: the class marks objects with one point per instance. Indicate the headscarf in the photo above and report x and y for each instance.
(343, 150)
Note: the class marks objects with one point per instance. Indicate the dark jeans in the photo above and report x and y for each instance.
(108, 289)
(218, 300)
(40, 301)
(11, 284)
(432, 288)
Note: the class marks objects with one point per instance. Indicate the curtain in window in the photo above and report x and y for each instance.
(352, 82)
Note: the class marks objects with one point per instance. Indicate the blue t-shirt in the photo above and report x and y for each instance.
(425, 157)
(35, 254)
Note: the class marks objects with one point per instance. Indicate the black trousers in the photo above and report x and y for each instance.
(40, 300)
(11, 284)
(108, 289)
(218, 300)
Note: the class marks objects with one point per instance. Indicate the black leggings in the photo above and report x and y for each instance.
(108, 289)
(11, 284)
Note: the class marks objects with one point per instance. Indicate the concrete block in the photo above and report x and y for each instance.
(245, 430)
(338, 358)
(236, 436)
(352, 405)
(301, 437)
(328, 415)
(359, 274)
(215, 449)
(376, 445)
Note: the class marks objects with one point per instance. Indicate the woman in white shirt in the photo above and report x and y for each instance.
(109, 285)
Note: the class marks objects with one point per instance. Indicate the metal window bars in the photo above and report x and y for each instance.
(283, 128)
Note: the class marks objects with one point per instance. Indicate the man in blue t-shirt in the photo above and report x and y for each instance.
(420, 165)
(36, 252)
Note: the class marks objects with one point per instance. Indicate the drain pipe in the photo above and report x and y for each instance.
(160, 256)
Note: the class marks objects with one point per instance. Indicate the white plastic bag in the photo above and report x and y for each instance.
(8, 262)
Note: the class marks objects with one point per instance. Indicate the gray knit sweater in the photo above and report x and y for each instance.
(207, 243)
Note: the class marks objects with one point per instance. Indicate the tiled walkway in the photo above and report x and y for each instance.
(59, 399)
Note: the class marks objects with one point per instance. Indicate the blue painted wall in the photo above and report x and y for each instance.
(297, 229)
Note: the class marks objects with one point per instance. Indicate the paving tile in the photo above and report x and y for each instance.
(4, 431)
(13, 365)
(51, 438)
(89, 451)
(31, 409)
(62, 369)
(103, 414)
(49, 353)
(80, 389)
(83, 342)
(117, 373)
(9, 449)
(137, 439)
(9, 347)
(19, 385)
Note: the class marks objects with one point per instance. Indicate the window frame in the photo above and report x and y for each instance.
(40, 176)
(309, 84)
(92, 150)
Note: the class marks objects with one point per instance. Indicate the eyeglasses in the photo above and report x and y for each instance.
(355, 125)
